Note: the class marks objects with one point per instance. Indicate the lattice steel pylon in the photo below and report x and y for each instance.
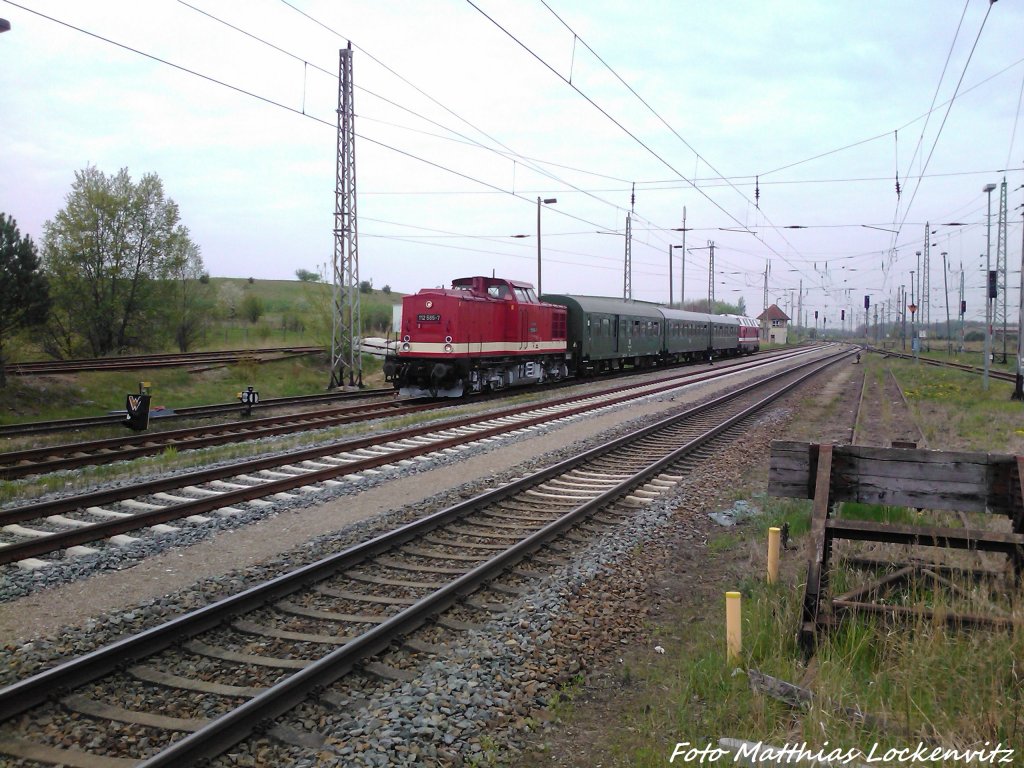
(627, 273)
(999, 315)
(345, 334)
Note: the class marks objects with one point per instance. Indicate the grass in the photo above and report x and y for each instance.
(89, 394)
(956, 413)
(917, 683)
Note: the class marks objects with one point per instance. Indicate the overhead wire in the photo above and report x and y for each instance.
(942, 125)
(623, 128)
(654, 112)
(447, 109)
(293, 110)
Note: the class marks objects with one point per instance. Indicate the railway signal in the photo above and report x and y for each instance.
(137, 408)
(248, 398)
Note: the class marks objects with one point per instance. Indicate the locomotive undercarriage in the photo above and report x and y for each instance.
(455, 378)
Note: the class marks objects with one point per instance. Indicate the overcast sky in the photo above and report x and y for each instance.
(815, 105)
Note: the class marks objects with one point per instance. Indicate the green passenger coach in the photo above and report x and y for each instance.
(609, 333)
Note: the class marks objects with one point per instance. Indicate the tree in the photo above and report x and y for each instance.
(230, 298)
(306, 276)
(190, 298)
(252, 307)
(108, 254)
(24, 292)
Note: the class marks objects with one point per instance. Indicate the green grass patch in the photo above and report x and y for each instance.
(878, 513)
(916, 682)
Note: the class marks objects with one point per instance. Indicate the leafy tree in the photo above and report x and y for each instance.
(107, 254)
(190, 298)
(252, 307)
(24, 293)
(306, 276)
(366, 286)
(230, 298)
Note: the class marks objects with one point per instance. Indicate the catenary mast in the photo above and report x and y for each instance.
(345, 334)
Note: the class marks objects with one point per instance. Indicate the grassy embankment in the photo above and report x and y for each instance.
(293, 314)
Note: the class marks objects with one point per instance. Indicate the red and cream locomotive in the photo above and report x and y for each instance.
(483, 333)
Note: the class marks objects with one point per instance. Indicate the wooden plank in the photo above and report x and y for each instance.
(873, 587)
(817, 564)
(972, 482)
(955, 538)
(73, 758)
(951, 618)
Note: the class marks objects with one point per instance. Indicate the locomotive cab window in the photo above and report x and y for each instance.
(498, 292)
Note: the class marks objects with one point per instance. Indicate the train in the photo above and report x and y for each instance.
(488, 333)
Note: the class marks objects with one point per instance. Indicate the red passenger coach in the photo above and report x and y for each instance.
(483, 334)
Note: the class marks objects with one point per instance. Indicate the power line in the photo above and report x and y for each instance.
(942, 125)
(619, 124)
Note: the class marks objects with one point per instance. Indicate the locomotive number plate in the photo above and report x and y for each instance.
(423, 317)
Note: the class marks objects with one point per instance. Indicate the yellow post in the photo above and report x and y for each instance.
(773, 555)
(733, 629)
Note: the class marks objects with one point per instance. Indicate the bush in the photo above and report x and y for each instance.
(306, 276)
(252, 308)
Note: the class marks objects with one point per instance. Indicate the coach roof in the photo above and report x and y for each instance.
(606, 306)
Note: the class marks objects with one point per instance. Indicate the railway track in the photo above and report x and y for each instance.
(220, 409)
(61, 527)
(1000, 375)
(190, 689)
(142, 362)
(186, 412)
(55, 458)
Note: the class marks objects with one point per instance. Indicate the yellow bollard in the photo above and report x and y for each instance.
(733, 629)
(773, 555)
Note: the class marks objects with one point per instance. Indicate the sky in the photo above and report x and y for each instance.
(780, 129)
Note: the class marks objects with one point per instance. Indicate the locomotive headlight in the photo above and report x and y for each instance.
(405, 347)
(407, 338)
(447, 347)
(429, 304)
(447, 339)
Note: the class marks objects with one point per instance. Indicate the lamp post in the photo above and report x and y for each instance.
(987, 189)
(945, 287)
(545, 201)
(1018, 387)
(670, 274)
(682, 263)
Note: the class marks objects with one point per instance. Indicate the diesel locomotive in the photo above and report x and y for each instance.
(488, 333)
